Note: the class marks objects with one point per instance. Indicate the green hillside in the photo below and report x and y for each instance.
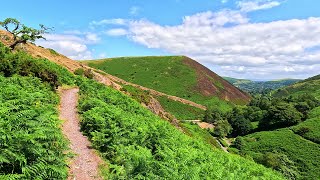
(173, 75)
(136, 143)
(288, 146)
(308, 86)
(140, 145)
(292, 150)
(236, 81)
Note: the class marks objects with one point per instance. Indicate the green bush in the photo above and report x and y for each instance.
(82, 72)
(23, 64)
(79, 72)
(53, 52)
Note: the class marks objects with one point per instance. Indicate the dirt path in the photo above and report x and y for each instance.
(85, 164)
(222, 147)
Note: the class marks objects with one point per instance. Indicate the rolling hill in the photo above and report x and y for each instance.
(136, 143)
(307, 86)
(260, 87)
(174, 75)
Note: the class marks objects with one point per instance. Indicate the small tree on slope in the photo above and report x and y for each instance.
(22, 33)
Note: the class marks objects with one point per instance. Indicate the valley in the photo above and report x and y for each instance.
(149, 117)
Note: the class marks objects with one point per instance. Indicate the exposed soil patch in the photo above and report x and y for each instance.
(85, 164)
(210, 84)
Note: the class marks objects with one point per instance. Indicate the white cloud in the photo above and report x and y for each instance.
(92, 38)
(228, 39)
(73, 46)
(117, 32)
(224, 1)
(230, 44)
(254, 5)
(117, 21)
(214, 19)
(134, 10)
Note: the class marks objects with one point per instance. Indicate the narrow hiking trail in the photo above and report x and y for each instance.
(85, 165)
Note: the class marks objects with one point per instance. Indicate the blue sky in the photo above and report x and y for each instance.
(255, 39)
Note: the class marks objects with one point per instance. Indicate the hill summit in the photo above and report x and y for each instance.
(174, 75)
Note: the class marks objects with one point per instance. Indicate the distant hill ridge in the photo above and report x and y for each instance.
(307, 86)
(260, 87)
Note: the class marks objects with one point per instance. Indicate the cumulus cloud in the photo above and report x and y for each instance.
(230, 44)
(73, 44)
(254, 5)
(227, 38)
(117, 32)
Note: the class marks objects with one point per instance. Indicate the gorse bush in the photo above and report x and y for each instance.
(79, 71)
(82, 72)
(31, 142)
(140, 145)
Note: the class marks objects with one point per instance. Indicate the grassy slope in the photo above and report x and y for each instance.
(166, 74)
(196, 132)
(308, 86)
(313, 126)
(303, 152)
(303, 149)
(138, 144)
(179, 110)
(159, 73)
(236, 81)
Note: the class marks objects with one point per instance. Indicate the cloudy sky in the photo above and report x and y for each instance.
(254, 39)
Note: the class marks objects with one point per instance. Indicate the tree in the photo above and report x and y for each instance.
(238, 143)
(222, 129)
(280, 115)
(240, 125)
(238, 122)
(22, 33)
(303, 108)
(254, 113)
(212, 115)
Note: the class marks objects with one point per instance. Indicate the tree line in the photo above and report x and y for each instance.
(269, 112)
